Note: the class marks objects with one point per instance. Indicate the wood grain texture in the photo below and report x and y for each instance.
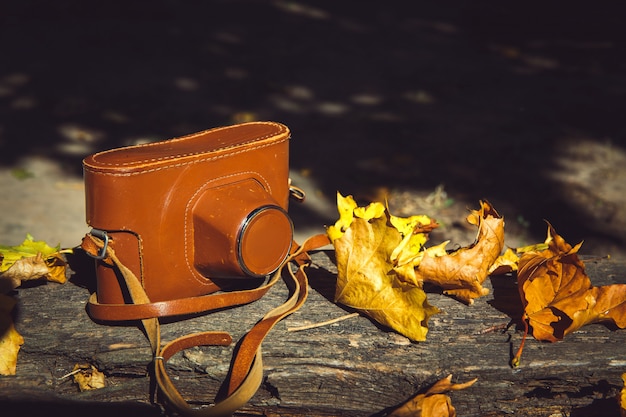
(350, 368)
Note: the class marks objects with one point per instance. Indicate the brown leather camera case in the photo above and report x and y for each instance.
(183, 211)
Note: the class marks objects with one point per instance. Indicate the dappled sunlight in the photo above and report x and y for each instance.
(367, 99)
(332, 109)
(10, 82)
(11, 89)
(187, 84)
(472, 96)
(236, 73)
(288, 104)
(419, 96)
(301, 9)
(560, 54)
(24, 103)
(78, 140)
(591, 179)
(42, 200)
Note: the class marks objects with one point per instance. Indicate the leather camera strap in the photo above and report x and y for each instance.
(176, 307)
(246, 371)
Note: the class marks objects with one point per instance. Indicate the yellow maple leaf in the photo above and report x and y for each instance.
(371, 211)
(345, 206)
(366, 280)
(415, 230)
(10, 339)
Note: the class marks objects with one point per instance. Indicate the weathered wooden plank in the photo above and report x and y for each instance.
(352, 368)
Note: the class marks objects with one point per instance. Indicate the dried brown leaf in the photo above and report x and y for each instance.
(461, 273)
(432, 403)
(558, 296)
(30, 260)
(88, 377)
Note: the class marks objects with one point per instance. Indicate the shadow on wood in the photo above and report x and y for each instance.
(61, 407)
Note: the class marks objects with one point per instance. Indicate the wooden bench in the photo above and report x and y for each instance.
(351, 368)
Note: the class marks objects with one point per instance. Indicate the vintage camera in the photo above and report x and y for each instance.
(187, 214)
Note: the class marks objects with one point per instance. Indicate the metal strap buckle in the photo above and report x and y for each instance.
(296, 193)
(101, 234)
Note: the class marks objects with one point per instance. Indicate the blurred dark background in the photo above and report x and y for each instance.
(481, 96)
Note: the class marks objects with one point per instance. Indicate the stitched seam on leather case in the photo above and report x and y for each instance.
(254, 175)
(258, 138)
(195, 161)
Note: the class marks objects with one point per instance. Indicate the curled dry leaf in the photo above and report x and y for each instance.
(461, 273)
(432, 403)
(10, 339)
(558, 296)
(29, 261)
(88, 377)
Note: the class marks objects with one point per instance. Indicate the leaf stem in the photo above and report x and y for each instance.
(515, 362)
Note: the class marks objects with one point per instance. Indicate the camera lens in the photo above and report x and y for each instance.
(239, 230)
(264, 240)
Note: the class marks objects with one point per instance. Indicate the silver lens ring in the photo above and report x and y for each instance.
(242, 232)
